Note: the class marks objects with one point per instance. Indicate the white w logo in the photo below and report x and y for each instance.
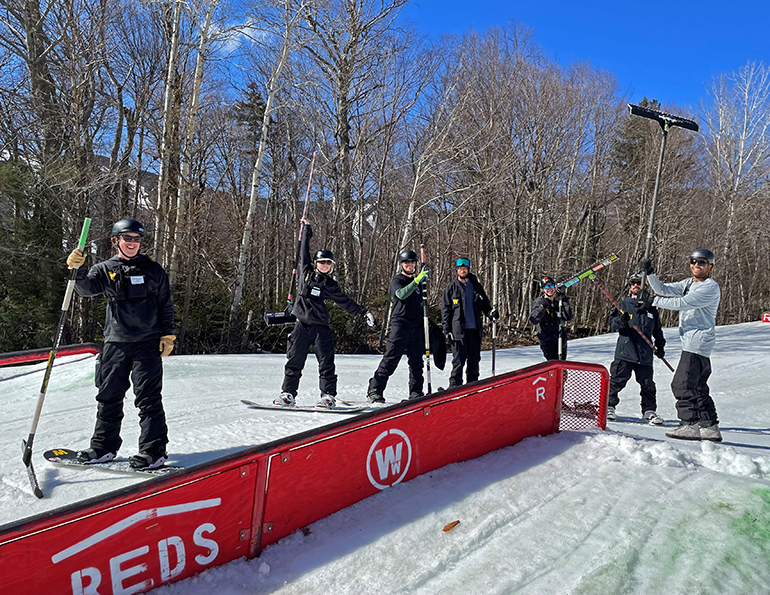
(389, 459)
(388, 465)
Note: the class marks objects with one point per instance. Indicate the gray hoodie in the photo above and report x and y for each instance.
(697, 304)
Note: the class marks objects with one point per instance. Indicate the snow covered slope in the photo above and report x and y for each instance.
(622, 511)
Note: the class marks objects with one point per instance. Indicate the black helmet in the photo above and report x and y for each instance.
(407, 255)
(127, 226)
(546, 280)
(703, 253)
(324, 254)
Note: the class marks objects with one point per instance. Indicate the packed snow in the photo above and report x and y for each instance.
(619, 511)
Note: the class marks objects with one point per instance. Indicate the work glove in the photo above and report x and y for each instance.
(645, 265)
(369, 317)
(625, 317)
(76, 259)
(494, 314)
(167, 344)
(659, 352)
(423, 274)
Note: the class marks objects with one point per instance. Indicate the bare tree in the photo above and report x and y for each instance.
(351, 39)
(289, 14)
(738, 148)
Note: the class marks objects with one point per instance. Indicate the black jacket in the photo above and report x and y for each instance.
(453, 307)
(631, 347)
(407, 312)
(544, 316)
(139, 304)
(313, 289)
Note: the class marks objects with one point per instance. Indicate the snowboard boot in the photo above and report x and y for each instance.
(611, 414)
(685, 432)
(145, 460)
(326, 401)
(375, 398)
(711, 433)
(652, 418)
(285, 400)
(89, 456)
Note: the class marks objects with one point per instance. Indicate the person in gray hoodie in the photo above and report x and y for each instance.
(696, 299)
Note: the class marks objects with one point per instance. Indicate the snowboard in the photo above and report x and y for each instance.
(305, 409)
(68, 458)
(623, 419)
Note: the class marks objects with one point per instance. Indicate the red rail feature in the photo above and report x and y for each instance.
(172, 527)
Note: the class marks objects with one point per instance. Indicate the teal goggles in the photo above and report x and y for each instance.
(463, 262)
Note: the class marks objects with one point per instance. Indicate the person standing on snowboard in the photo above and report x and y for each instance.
(407, 333)
(138, 331)
(315, 286)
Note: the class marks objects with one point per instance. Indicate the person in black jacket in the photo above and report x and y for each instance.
(632, 353)
(545, 316)
(316, 285)
(407, 333)
(463, 303)
(138, 331)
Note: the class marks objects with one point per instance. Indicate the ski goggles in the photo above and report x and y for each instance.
(131, 239)
(635, 282)
(699, 261)
(325, 261)
(463, 262)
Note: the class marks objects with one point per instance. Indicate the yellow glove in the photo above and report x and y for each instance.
(423, 274)
(167, 344)
(76, 259)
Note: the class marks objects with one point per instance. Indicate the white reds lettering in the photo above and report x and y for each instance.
(172, 556)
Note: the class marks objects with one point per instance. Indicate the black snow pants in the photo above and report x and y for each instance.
(620, 373)
(409, 340)
(466, 351)
(142, 364)
(693, 401)
(550, 346)
(300, 340)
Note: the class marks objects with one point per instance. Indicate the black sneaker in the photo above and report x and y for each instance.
(89, 456)
(147, 461)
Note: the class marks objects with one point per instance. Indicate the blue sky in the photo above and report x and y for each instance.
(667, 51)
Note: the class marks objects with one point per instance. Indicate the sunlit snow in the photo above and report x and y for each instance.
(600, 512)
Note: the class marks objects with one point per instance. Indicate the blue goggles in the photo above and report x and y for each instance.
(463, 262)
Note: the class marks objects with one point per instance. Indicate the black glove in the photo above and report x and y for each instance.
(645, 302)
(625, 317)
(645, 265)
(494, 314)
(561, 290)
(659, 352)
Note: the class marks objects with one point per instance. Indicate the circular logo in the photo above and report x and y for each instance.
(388, 459)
